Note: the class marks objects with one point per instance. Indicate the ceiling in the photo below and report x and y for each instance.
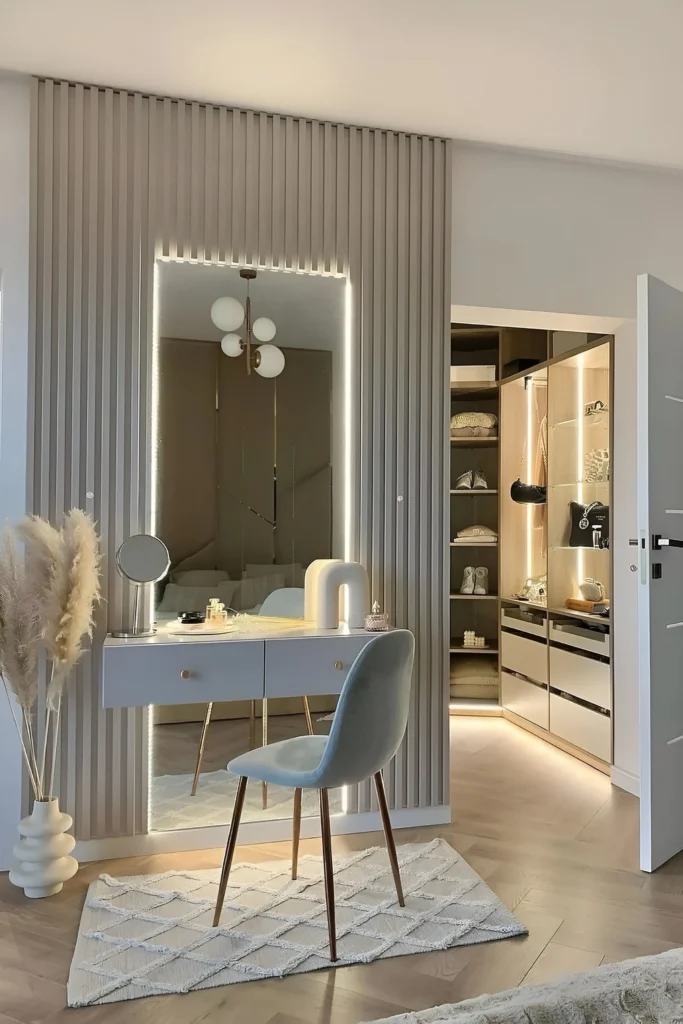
(308, 311)
(598, 78)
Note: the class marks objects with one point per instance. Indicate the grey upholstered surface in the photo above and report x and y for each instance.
(367, 730)
(287, 602)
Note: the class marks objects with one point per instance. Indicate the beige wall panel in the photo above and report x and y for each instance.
(121, 178)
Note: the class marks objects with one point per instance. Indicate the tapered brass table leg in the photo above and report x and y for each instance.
(200, 752)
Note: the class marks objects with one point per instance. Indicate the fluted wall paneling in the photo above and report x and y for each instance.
(121, 179)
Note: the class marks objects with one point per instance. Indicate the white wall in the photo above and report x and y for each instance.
(534, 232)
(14, 269)
(537, 232)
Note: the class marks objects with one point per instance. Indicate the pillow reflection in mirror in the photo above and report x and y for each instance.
(293, 572)
(195, 599)
(200, 577)
(253, 592)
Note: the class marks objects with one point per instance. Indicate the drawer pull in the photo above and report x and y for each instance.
(185, 674)
(339, 665)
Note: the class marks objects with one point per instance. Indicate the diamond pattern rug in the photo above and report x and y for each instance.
(171, 805)
(152, 935)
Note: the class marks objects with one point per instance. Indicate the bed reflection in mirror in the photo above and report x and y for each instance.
(248, 473)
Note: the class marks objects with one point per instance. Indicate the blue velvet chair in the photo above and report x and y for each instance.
(367, 730)
(286, 603)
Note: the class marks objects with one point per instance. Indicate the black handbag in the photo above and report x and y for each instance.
(528, 494)
(589, 525)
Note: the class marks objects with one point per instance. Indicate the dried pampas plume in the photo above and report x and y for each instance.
(68, 561)
(20, 624)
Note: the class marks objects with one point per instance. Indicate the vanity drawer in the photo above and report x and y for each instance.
(311, 666)
(528, 700)
(583, 677)
(138, 674)
(589, 730)
(529, 657)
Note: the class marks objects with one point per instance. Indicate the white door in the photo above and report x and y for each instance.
(660, 594)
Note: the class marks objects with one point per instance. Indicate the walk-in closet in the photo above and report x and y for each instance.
(529, 541)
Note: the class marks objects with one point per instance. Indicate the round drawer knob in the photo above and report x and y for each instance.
(185, 674)
(339, 665)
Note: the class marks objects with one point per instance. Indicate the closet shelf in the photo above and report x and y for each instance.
(575, 547)
(473, 490)
(581, 483)
(473, 544)
(484, 389)
(475, 442)
(461, 649)
(474, 597)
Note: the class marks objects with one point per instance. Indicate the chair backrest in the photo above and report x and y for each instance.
(286, 603)
(372, 711)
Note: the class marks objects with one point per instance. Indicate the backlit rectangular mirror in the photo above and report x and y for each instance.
(248, 493)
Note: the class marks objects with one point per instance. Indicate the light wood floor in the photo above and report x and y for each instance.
(549, 835)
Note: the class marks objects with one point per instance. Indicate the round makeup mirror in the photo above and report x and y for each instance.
(141, 559)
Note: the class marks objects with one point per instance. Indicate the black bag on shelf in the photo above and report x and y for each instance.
(590, 525)
(528, 494)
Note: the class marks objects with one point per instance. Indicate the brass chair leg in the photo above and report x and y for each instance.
(328, 870)
(252, 724)
(230, 848)
(200, 752)
(307, 712)
(389, 836)
(264, 723)
(296, 831)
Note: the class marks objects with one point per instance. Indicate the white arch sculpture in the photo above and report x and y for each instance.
(323, 593)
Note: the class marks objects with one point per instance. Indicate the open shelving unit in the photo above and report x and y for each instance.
(541, 377)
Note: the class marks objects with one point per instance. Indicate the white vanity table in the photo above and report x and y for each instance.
(272, 658)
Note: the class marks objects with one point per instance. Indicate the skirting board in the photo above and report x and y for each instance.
(250, 832)
(625, 780)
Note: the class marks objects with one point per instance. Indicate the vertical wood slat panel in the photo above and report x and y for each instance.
(189, 181)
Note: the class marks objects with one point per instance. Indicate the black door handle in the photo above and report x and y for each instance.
(659, 542)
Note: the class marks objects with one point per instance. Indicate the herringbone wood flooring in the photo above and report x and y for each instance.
(549, 835)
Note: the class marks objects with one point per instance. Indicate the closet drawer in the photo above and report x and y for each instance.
(135, 674)
(583, 677)
(586, 729)
(525, 699)
(304, 667)
(513, 618)
(575, 635)
(529, 657)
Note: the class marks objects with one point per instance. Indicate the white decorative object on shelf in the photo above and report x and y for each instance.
(470, 639)
(43, 851)
(325, 578)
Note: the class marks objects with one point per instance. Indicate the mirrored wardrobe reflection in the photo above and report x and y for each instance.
(248, 443)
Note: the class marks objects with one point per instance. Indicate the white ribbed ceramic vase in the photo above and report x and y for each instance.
(43, 850)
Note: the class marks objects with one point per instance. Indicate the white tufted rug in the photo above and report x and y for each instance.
(172, 806)
(151, 934)
(648, 990)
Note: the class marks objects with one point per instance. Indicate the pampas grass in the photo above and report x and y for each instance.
(47, 597)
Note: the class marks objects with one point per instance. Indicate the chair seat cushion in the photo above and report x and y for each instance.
(293, 762)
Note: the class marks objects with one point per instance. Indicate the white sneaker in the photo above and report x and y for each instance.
(467, 585)
(479, 481)
(481, 580)
(464, 481)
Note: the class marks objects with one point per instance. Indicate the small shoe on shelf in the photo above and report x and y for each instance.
(479, 482)
(481, 580)
(467, 585)
(464, 481)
